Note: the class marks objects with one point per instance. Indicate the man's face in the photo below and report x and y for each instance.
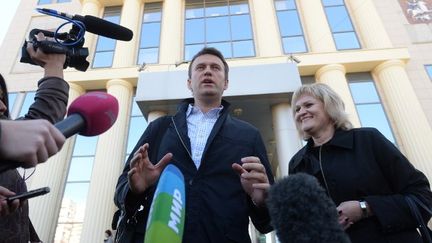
(208, 77)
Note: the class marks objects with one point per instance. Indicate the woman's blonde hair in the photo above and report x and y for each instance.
(333, 105)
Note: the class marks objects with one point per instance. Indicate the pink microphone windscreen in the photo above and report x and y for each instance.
(98, 109)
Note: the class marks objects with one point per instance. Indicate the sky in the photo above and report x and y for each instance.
(7, 12)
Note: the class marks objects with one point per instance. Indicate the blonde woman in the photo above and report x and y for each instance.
(362, 172)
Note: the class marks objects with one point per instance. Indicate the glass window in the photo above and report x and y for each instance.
(194, 31)
(72, 210)
(332, 2)
(150, 33)
(290, 27)
(11, 100)
(223, 24)
(40, 2)
(340, 25)
(346, 40)
(137, 126)
(429, 71)
(368, 104)
(104, 53)
(28, 101)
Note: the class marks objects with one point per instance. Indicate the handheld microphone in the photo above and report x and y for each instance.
(301, 211)
(89, 115)
(98, 26)
(167, 212)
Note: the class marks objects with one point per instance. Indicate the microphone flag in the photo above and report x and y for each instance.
(167, 212)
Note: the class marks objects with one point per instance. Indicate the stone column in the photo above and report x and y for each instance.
(171, 32)
(316, 27)
(94, 8)
(287, 139)
(334, 76)
(268, 40)
(126, 51)
(368, 24)
(44, 211)
(108, 164)
(410, 120)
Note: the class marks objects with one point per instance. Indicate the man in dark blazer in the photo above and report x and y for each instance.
(223, 160)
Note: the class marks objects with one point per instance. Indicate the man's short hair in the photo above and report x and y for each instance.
(210, 51)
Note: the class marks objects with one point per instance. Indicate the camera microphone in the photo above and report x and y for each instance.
(97, 25)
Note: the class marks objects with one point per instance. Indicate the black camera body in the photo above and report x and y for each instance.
(72, 47)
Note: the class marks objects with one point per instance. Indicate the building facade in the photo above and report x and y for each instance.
(375, 54)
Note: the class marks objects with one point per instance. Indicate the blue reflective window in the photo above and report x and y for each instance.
(148, 55)
(191, 50)
(290, 27)
(327, 3)
(340, 25)
(222, 24)
(364, 92)
(240, 27)
(77, 194)
(28, 101)
(289, 23)
(243, 48)
(216, 9)
(368, 104)
(195, 9)
(150, 33)
(373, 115)
(105, 44)
(103, 59)
(194, 31)
(224, 47)
(104, 53)
(64, 1)
(338, 19)
(220, 29)
(40, 2)
(137, 127)
(238, 7)
(294, 44)
(429, 71)
(80, 169)
(85, 146)
(285, 5)
(346, 40)
(11, 100)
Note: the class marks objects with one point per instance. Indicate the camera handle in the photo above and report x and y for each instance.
(45, 46)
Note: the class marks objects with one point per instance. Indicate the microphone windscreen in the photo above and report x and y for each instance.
(301, 211)
(98, 109)
(105, 28)
(167, 212)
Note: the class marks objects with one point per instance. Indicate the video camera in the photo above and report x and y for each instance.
(71, 43)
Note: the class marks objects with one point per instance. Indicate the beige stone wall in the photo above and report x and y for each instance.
(418, 39)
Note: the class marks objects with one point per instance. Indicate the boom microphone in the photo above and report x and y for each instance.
(167, 212)
(301, 212)
(90, 115)
(98, 26)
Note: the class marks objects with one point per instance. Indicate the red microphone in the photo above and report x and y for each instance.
(90, 115)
